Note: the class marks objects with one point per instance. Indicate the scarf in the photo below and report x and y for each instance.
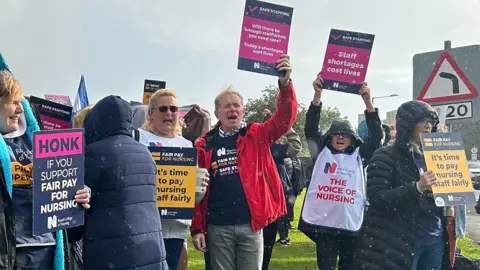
(225, 134)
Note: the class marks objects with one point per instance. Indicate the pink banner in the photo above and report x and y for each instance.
(57, 143)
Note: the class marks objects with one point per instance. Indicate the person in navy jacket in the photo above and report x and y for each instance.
(122, 229)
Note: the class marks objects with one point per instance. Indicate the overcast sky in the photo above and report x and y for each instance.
(193, 45)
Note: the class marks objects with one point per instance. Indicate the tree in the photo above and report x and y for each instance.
(469, 133)
(254, 113)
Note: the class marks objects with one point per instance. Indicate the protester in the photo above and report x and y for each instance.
(403, 227)
(19, 248)
(123, 230)
(246, 193)
(363, 133)
(162, 127)
(297, 174)
(330, 221)
(79, 118)
(289, 145)
(196, 123)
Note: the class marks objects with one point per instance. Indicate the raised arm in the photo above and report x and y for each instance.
(284, 117)
(312, 134)
(374, 125)
(374, 139)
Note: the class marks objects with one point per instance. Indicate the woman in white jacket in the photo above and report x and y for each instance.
(162, 128)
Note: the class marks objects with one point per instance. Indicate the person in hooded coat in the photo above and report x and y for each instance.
(333, 218)
(123, 229)
(402, 212)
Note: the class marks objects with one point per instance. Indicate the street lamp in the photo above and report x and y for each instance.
(389, 96)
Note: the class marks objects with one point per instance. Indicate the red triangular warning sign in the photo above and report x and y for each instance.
(447, 83)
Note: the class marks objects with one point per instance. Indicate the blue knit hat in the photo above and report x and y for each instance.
(363, 130)
(3, 64)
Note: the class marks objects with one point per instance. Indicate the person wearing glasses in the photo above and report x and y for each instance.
(335, 200)
(403, 227)
(162, 127)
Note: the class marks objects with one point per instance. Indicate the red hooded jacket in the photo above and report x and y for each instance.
(258, 173)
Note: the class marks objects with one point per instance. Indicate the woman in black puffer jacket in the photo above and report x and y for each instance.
(400, 201)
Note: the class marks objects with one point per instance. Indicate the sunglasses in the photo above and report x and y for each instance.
(165, 109)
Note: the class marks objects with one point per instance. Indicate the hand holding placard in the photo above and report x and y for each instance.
(427, 180)
(284, 66)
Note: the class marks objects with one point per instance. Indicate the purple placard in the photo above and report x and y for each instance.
(346, 60)
(264, 37)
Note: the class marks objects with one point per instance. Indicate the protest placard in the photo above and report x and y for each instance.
(150, 87)
(176, 181)
(445, 156)
(57, 175)
(52, 115)
(346, 60)
(264, 36)
(62, 99)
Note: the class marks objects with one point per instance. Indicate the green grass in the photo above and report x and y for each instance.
(301, 253)
(469, 248)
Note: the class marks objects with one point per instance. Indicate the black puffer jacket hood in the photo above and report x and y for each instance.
(408, 115)
(388, 135)
(341, 127)
(111, 116)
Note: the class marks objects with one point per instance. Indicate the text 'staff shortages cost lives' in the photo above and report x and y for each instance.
(445, 156)
(51, 115)
(150, 87)
(346, 60)
(58, 159)
(176, 181)
(264, 37)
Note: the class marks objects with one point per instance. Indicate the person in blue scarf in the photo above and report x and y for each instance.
(19, 248)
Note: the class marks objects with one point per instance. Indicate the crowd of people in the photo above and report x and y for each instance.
(383, 215)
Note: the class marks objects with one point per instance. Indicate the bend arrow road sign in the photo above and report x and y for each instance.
(449, 81)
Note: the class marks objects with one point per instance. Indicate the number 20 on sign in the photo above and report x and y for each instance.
(461, 110)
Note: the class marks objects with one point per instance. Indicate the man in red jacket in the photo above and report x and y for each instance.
(245, 192)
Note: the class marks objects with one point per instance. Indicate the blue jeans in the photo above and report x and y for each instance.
(173, 248)
(428, 256)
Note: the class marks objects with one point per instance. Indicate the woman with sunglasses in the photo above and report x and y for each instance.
(334, 204)
(163, 127)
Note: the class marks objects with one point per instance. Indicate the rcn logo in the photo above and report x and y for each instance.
(221, 152)
(256, 65)
(330, 167)
(52, 222)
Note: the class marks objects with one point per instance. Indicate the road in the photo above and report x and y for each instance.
(473, 222)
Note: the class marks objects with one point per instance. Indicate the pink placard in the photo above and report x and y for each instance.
(345, 64)
(57, 144)
(346, 60)
(263, 40)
